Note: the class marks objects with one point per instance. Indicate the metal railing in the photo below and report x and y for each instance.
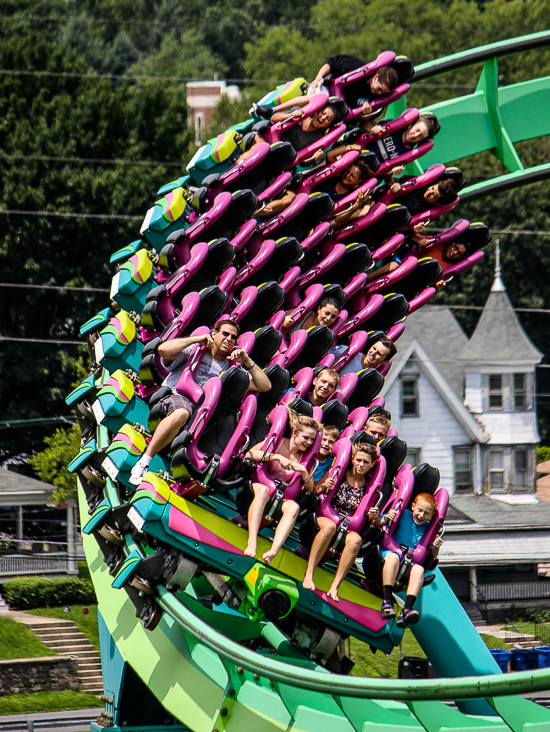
(17, 564)
(513, 635)
(515, 591)
(541, 631)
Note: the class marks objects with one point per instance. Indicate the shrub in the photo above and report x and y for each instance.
(543, 453)
(84, 571)
(29, 592)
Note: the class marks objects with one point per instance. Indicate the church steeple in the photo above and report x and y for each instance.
(499, 336)
(498, 284)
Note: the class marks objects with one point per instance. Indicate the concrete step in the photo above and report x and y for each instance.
(46, 632)
(95, 666)
(60, 642)
(50, 623)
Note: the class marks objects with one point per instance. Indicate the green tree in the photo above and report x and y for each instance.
(68, 117)
(51, 464)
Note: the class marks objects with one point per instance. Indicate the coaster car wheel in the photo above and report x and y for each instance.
(150, 614)
(143, 585)
(111, 534)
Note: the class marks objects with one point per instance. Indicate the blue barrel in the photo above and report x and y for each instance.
(502, 658)
(543, 656)
(525, 660)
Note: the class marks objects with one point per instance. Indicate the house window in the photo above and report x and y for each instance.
(521, 470)
(520, 391)
(496, 471)
(496, 400)
(463, 470)
(409, 397)
(413, 456)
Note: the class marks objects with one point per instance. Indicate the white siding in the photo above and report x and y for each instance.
(435, 431)
(474, 396)
(511, 428)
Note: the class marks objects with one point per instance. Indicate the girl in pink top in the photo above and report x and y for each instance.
(285, 463)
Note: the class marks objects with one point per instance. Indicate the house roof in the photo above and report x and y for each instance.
(499, 336)
(17, 489)
(436, 328)
(484, 511)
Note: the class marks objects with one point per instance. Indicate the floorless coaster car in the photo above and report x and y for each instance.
(134, 280)
(227, 219)
(394, 310)
(351, 86)
(118, 346)
(428, 211)
(184, 533)
(408, 484)
(218, 154)
(168, 214)
(380, 229)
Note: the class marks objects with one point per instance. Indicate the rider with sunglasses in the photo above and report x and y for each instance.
(218, 357)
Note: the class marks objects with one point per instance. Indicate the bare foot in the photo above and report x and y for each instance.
(250, 550)
(308, 583)
(269, 556)
(333, 594)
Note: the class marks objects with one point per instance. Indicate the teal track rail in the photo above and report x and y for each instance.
(492, 118)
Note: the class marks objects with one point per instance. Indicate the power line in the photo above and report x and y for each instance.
(152, 163)
(125, 217)
(42, 340)
(53, 287)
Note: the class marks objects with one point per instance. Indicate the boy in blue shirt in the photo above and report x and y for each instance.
(409, 532)
(326, 458)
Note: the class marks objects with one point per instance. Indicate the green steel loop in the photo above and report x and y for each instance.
(469, 687)
(482, 53)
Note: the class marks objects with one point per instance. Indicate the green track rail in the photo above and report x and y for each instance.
(492, 118)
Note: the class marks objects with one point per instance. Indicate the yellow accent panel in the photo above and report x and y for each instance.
(138, 440)
(285, 561)
(177, 204)
(144, 265)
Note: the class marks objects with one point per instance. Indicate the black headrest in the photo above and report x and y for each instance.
(456, 175)
(369, 385)
(379, 410)
(200, 200)
(362, 436)
(426, 273)
(319, 206)
(269, 300)
(266, 344)
(280, 380)
(243, 205)
(281, 155)
(220, 254)
(370, 160)
(212, 303)
(150, 347)
(426, 479)
(235, 383)
(394, 451)
(395, 218)
(340, 108)
(404, 67)
(319, 340)
(335, 414)
(336, 293)
(148, 371)
(393, 310)
(475, 237)
(436, 125)
(301, 407)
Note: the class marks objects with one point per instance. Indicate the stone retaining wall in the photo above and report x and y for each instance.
(50, 673)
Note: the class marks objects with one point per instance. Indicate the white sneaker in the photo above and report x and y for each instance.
(138, 472)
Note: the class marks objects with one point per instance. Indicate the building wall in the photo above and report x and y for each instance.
(435, 431)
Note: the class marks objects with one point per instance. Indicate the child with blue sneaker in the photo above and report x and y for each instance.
(409, 532)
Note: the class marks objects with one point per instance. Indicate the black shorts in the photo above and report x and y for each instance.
(174, 402)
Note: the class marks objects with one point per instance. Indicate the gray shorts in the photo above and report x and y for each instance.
(176, 401)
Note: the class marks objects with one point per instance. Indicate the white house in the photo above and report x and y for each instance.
(465, 405)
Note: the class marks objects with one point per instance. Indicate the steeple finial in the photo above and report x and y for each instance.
(498, 284)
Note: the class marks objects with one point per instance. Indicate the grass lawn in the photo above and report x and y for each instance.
(17, 641)
(378, 665)
(86, 623)
(47, 701)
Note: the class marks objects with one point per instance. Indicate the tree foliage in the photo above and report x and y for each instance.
(51, 464)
